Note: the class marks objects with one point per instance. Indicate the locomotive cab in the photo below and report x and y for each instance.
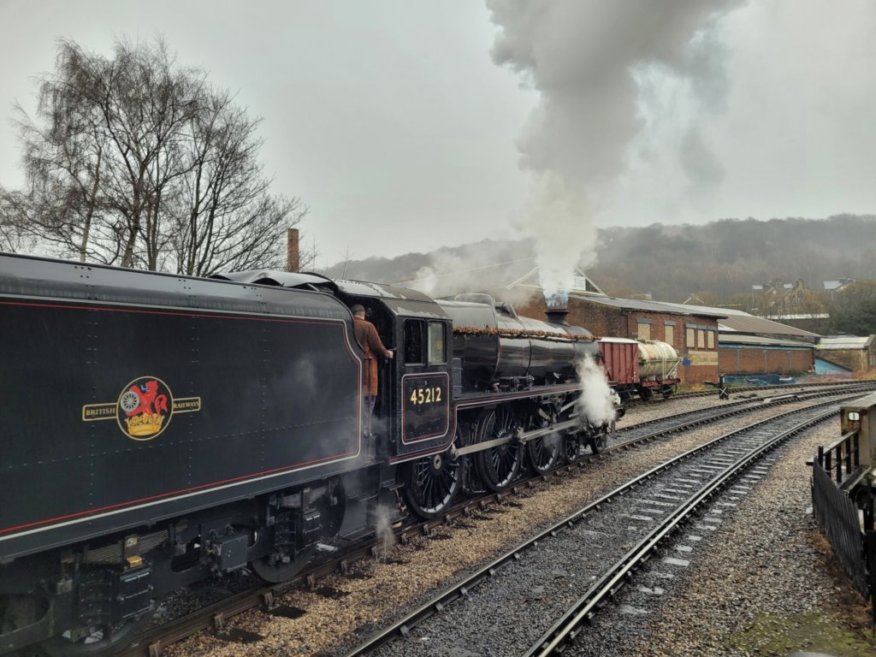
(412, 412)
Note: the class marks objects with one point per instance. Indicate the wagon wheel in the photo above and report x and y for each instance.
(498, 466)
(544, 453)
(431, 484)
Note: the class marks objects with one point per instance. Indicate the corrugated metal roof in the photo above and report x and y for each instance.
(708, 310)
(743, 323)
(844, 342)
(651, 306)
(725, 339)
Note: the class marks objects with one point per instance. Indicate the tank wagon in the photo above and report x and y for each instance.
(635, 367)
(159, 430)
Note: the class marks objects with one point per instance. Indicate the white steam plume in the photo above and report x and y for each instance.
(475, 268)
(383, 529)
(588, 60)
(596, 400)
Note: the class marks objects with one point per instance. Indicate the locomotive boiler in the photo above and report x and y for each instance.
(159, 430)
(498, 348)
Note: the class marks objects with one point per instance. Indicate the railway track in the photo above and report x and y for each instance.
(661, 426)
(623, 528)
(735, 390)
(214, 617)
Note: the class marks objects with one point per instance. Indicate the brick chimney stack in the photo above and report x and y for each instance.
(293, 256)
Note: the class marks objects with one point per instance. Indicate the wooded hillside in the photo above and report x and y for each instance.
(715, 262)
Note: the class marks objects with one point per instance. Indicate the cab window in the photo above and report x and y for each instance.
(415, 342)
(437, 341)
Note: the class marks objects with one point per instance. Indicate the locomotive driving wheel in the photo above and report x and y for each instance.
(498, 466)
(598, 441)
(544, 453)
(571, 448)
(431, 484)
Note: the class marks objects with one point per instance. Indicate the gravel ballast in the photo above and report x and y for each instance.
(763, 583)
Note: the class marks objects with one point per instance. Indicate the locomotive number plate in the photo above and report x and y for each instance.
(425, 406)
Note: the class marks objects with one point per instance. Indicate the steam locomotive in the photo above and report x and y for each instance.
(159, 430)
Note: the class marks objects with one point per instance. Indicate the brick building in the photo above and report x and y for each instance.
(753, 354)
(710, 341)
(692, 331)
(848, 352)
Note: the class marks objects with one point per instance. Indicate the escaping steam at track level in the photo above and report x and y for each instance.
(596, 403)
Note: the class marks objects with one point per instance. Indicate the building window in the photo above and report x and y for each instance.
(644, 331)
(690, 338)
(701, 339)
(669, 334)
(711, 337)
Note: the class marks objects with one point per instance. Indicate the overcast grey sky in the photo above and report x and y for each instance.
(400, 127)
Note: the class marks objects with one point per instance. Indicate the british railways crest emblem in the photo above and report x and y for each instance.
(144, 408)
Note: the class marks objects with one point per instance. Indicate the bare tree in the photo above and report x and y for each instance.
(230, 220)
(136, 161)
(13, 209)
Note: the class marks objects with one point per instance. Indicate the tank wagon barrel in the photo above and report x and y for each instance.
(657, 360)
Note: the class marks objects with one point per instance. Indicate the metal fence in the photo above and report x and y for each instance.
(849, 528)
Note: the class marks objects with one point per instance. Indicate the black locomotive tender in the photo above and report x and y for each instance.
(158, 430)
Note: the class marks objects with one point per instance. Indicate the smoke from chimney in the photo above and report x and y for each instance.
(583, 57)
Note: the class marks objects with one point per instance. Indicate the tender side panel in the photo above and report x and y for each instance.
(246, 397)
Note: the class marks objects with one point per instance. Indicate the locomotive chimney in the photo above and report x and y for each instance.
(293, 257)
(557, 307)
(557, 315)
